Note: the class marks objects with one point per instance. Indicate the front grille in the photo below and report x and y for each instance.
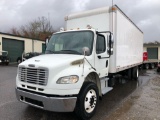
(37, 76)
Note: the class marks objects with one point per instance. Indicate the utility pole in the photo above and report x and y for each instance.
(49, 20)
(112, 16)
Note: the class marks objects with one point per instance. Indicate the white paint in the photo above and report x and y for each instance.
(128, 47)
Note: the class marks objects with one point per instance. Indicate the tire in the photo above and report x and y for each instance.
(135, 73)
(146, 66)
(152, 66)
(129, 73)
(140, 67)
(7, 63)
(87, 101)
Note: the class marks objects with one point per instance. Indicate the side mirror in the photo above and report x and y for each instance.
(112, 41)
(86, 51)
(110, 44)
(110, 51)
(47, 41)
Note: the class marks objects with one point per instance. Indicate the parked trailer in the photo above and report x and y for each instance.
(80, 62)
(149, 63)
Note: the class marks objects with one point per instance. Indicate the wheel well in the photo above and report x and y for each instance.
(93, 77)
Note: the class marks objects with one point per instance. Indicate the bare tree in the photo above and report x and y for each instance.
(15, 31)
(38, 29)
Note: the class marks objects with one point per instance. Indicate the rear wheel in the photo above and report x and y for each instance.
(129, 73)
(146, 66)
(87, 101)
(152, 66)
(135, 73)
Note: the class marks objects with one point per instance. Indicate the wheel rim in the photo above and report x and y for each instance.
(137, 73)
(90, 101)
(147, 66)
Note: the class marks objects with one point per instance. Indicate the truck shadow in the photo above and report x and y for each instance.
(38, 114)
(115, 97)
(10, 65)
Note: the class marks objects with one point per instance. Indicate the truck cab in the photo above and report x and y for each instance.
(72, 70)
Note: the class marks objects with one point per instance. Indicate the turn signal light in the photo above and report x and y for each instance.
(114, 9)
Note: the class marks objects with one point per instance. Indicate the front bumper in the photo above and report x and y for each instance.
(56, 104)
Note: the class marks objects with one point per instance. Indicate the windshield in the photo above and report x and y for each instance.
(26, 55)
(70, 43)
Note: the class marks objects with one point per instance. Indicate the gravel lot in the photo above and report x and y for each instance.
(143, 104)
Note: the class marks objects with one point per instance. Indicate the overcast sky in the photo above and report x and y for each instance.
(144, 13)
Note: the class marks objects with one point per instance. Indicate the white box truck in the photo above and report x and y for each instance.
(80, 62)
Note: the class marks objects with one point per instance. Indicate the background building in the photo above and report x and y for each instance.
(153, 50)
(16, 45)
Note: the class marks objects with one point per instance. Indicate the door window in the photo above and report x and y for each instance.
(101, 44)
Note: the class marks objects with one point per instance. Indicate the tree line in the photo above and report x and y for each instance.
(37, 29)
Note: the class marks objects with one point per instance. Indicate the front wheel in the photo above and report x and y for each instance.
(87, 101)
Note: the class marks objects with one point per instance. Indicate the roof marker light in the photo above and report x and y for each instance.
(61, 29)
(114, 8)
(89, 26)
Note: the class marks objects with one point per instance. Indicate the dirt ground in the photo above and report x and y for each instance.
(143, 104)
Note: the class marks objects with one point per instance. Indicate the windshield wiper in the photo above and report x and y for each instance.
(63, 52)
(71, 52)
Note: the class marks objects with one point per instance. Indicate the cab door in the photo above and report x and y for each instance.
(101, 56)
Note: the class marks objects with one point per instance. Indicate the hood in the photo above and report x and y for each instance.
(51, 60)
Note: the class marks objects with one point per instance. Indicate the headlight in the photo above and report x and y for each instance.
(68, 80)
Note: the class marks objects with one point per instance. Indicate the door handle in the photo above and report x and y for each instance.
(106, 63)
(99, 56)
